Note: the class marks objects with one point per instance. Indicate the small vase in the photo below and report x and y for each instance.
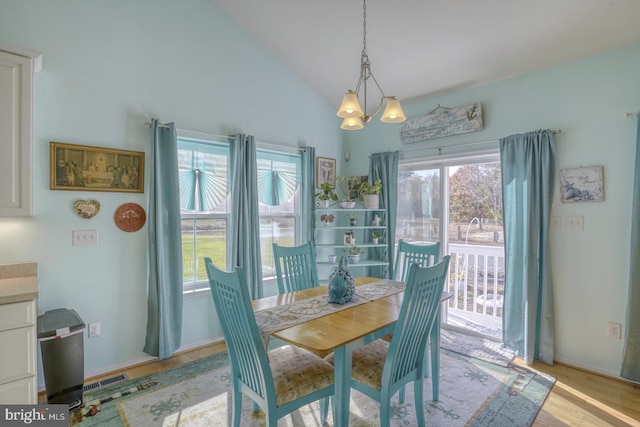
(327, 223)
(322, 204)
(333, 259)
(353, 259)
(353, 222)
(375, 240)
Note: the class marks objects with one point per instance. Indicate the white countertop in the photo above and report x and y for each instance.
(18, 282)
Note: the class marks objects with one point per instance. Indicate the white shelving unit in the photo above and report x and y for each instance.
(330, 240)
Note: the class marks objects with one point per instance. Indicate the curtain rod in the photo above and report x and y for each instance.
(278, 146)
(632, 114)
(439, 148)
(187, 130)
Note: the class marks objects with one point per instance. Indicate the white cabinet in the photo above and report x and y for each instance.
(18, 361)
(330, 240)
(17, 67)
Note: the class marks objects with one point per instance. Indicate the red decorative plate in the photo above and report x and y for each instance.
(130, 217)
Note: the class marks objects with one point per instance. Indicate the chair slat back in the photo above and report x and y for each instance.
(417, 315)
(248, 357)
(295, 267)
(408, 253)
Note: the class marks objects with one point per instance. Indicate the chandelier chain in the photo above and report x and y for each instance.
(355, 116)
(364, 27)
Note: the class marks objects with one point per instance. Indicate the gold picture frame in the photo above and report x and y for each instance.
(88, 168)
(325, 171)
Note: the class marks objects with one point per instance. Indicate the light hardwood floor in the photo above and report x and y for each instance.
(581, 398)
(578, 398)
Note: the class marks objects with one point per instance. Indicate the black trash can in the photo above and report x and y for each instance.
(60, 336)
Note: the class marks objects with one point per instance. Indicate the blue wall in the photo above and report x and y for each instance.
(108, 68)
(587, 100)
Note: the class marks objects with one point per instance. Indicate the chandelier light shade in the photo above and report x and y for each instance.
(393, 113)
(354, 115)
(352, 123)
(350, 106)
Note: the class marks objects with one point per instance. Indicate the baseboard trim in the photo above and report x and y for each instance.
(592, 370)
(91, 376)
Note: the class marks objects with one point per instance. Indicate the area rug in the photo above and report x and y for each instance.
(472, 393)
(480, 348)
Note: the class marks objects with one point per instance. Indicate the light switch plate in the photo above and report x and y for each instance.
(85, 237)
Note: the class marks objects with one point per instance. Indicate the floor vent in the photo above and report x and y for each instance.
(105, 382)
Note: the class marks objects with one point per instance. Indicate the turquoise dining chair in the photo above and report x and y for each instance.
(409, 253)
(279, 381)
(381, 368)
(295, 267)
(424, 256)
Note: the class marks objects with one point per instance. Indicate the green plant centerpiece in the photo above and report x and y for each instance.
(326, 195)
(376, 235)
(370, 193)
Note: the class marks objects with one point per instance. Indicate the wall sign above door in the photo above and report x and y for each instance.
(442, 122)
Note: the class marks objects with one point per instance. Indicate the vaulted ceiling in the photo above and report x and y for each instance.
(419, 48)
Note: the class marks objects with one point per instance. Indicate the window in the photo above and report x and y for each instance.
(419, 205)
(431, 209)
(204, 205)
(205, 201)
(279, 181)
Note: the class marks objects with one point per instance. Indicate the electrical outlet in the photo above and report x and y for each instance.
(556, 222)
(575, 223)
(94, 330)
(615, 330)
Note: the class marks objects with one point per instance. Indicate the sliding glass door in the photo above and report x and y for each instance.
(457, 201)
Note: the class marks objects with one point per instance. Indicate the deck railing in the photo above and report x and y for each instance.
(476, 278)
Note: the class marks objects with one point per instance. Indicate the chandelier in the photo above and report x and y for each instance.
(355, 117)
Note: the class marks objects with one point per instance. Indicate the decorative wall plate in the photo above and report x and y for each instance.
(130, 217)
(86, 209)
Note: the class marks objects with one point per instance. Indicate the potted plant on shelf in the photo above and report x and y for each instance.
(327, 219)
(370, 193)
(353, 219)
(376, 235)
(326, 196)
(354, 253)
(349, 186)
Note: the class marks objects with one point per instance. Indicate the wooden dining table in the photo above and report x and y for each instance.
(344, 331)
